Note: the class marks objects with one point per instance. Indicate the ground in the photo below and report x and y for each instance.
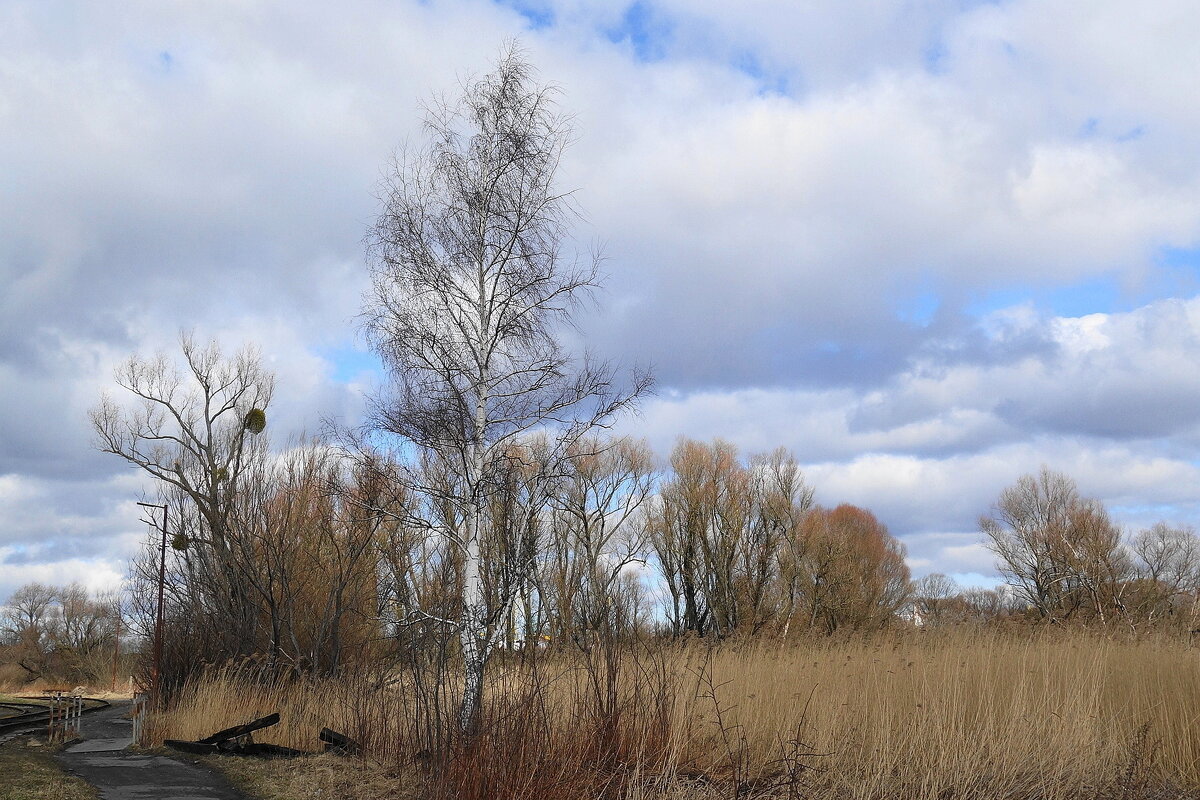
(31, 773)
(313, 777)
(120, 774)
(99, 767)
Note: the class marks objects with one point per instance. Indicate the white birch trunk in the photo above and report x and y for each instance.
(473, 634)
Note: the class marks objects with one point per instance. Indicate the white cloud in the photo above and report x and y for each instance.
(96, 575)
(211, 166)
(1109, 404)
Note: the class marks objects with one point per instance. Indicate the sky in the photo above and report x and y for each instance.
(927, 245)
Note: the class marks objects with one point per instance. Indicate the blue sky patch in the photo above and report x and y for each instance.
(769, 82)
(918, 308)
(973, 580)
(538, 16)
(1180, 258)
(934, 58)
(1107, 294)
(1098, 295)
(1175, 273)
(351, 363)
(647, 32)
(1133, 134)
(1094, 127)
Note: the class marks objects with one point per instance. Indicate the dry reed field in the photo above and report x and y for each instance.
(970, 714)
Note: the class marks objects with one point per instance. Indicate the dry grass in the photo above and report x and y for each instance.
(976, 715)
(946, 715)
(316, 778)
(29, 773)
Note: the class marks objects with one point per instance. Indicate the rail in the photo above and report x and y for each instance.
(57, 714)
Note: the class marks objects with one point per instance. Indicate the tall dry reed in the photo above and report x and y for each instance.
(939, 714)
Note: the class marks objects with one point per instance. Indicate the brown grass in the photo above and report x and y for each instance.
(30, 773)
(915, 715)
(316, 778)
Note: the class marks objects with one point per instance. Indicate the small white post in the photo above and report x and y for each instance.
(139, 717)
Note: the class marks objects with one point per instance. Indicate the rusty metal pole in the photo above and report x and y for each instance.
(158, 623)
(156, 674)
(116, 644)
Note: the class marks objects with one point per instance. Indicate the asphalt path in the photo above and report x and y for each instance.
(104, 760)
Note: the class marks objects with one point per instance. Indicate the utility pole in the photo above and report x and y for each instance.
(155, 675)
(116, 642)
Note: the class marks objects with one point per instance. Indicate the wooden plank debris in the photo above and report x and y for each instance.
(339, 743)
(241, 730)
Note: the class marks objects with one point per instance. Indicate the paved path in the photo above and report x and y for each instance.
(102, 760)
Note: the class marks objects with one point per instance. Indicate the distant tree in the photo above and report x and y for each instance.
(779, 499)
(933, 596)
(986, 605)
(1167, 564)
(83, 630)
(725, 515)
(596, 530)
(1169, 556)
(469, 287)
(58, 632)
(26, 621)
(678, 526)
(724, 532)
(1060, 552)
(851, 571)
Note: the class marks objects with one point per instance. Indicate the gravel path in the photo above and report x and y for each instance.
(102, 760)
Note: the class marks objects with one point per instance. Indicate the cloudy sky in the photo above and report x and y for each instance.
(929, 245)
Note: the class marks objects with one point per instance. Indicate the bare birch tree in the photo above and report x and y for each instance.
(469, 286)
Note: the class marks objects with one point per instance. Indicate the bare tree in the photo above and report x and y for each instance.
(60, 632)
(986, 605)
(27, 621)
(596, 533)
(84, 625)
(719, 529)
(779, 500)
(469, 286)
(1024, 530)
(192, 428)
(851, 570)
(1168, 569)
(1060, 552)
(678, 524)
(933, 596)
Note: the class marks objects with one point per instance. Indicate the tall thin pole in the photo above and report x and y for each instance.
(156, 674)
(116, 643)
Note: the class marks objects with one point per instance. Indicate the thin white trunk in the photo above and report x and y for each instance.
(474, 634)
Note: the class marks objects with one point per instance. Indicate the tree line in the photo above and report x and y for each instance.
(320, 557)
(337, 549)
(59, 632)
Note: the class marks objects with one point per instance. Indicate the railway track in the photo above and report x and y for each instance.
(33, 715)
